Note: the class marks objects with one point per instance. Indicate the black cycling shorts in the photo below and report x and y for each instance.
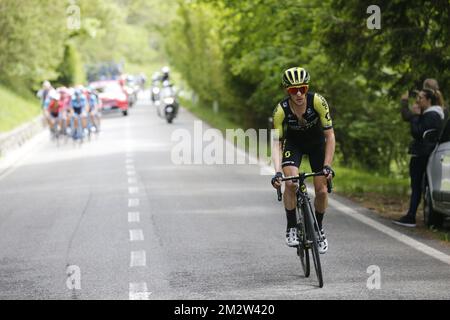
(293, 154)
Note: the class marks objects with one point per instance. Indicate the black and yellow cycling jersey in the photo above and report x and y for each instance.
(308, 130)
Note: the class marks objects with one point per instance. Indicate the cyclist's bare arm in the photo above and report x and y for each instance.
(330, 146)
(277, 136)
(276, 158)
(276, 155)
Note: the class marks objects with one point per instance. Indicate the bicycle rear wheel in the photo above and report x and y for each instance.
(312, 237)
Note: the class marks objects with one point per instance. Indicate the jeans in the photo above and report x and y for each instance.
(417, 168)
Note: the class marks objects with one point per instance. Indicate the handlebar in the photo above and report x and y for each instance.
(280, 195)
(302, 177)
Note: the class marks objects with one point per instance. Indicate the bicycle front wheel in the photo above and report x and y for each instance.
(313, 240)
(303, 248)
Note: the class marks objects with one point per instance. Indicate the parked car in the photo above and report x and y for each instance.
(437, 181)
(112, 95)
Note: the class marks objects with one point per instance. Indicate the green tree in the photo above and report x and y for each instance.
(411, 45)
(30, 49)
(71, 70)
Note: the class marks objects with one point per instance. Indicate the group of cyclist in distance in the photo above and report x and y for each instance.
(303, 126)
(72, 112)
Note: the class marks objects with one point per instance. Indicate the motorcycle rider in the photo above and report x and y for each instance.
(165, 74)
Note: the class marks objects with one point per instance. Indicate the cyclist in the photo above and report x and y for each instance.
(43, 93)
(78, 108)
(303, 126)
(94, 109)
(53, 111)
(65, 101)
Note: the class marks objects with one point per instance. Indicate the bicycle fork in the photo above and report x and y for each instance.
(304, 203)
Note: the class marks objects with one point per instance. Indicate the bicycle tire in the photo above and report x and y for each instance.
(302, 250)
(55, 134)
(312, 237)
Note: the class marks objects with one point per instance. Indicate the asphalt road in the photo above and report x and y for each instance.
(131, 224)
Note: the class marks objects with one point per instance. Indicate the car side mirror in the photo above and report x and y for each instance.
(431, 136)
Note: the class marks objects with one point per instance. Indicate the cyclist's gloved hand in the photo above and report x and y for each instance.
(276, 183)
(328, 172)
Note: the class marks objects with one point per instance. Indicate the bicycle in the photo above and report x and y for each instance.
(307, 226)
(55, 126)
(93, 124)
(77, 130)
(54, 131)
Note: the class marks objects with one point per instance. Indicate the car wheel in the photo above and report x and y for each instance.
(430, 216)
(125, 113)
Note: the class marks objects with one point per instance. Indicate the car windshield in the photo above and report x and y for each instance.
(109, 88)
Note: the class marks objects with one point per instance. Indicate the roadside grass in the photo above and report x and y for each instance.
(16, 110)
(386, 195)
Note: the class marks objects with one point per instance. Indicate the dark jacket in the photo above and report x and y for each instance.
(430, 119)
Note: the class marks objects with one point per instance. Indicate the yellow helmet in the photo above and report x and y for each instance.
(294, 77)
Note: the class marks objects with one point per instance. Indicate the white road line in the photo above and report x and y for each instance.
(129, 161)
(138, 259)
(136, 235)
(391, 232)
(139, 291)
(131, 173)
(130, 167)
(133, 217)
(132, 180)
(133, 190)
(380, 227)
(133, 203)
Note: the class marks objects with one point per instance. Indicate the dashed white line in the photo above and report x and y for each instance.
(139, 291)
(130, 167)
(138, 259)
(133, 203)
(136, 235)
(133, 190)
(131, 173)
(133, 217)
(129, 161)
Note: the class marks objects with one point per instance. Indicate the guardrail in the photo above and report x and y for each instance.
(16, 138)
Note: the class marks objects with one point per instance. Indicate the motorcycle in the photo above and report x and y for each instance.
(167, 106)
(170, 108)
(155, 94)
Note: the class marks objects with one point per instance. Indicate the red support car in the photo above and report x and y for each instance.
(112, 95)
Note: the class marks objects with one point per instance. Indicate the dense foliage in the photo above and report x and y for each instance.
(233, 52)
(36, 42)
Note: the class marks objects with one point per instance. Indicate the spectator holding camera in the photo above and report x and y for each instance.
(426, 118)
(430, 84)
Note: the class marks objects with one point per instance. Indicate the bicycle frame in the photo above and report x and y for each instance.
(304, 201)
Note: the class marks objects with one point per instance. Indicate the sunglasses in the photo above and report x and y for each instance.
(295, 90)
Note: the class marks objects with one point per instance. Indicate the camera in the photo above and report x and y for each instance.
(413, 93)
